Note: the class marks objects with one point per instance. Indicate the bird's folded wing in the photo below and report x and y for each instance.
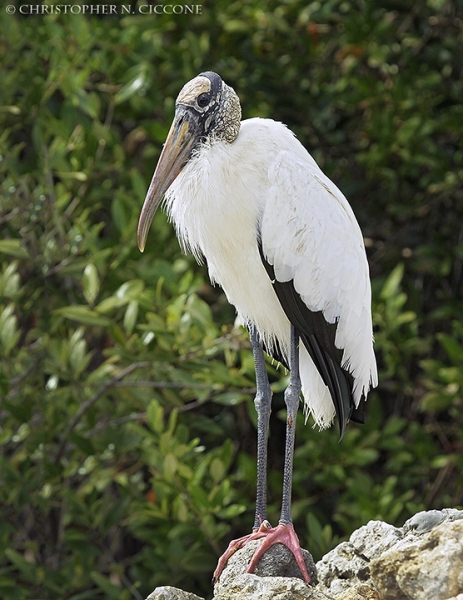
(310, 237)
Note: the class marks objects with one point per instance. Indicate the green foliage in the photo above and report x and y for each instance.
(127, 426)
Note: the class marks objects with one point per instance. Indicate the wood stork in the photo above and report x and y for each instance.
(282, 241)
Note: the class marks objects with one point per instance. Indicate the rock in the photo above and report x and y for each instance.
(424, 521)
(277, 561)
(360, 592)
(348, 565)
(430, 566)
(423, 560)
(452, 514)
(374, 539)
(342, 568)
(252, 587)
(166, 592)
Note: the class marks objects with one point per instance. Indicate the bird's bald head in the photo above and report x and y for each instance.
(215, 104)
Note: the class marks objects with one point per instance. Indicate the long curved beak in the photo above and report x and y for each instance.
(181, 140)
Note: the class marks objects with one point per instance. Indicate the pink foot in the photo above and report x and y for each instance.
(235, 545)
(283, 533)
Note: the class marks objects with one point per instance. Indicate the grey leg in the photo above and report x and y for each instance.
(292, 397)
(284, 533)
(262, 401)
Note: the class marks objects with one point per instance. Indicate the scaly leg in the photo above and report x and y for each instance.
(284, 532)
(262, 402)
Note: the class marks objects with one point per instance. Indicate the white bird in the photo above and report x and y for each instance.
(282, 241)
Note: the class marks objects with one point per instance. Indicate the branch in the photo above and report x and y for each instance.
(91, 401)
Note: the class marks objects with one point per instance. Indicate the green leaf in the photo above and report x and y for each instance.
(82, 443)
(90, 283)
(82, 314)
(88, 103)
(217, 469)
(9, 334)
(453, 349)
(138, 184)
(232, 511)
(13, 248)
(26, 569)
(109, 304)
(111, 590)
(230, 398)
(197, 562)
(131, 290)
(130, 316)
(392, 284)
(137, 80)
(170, 464)
(155, 416)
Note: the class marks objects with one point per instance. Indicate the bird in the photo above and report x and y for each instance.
(248, 200)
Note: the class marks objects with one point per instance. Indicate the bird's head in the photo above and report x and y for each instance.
(206, 110)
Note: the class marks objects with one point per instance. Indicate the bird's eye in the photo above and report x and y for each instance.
(203, 100)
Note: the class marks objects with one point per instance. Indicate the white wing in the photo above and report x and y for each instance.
(310, 235)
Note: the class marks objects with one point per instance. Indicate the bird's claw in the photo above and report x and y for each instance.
(237, 544)
(283, 533)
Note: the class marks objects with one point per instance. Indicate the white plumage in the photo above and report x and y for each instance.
(283, 243)
(266, 184)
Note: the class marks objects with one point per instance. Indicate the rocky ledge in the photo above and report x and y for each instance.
(423, 560)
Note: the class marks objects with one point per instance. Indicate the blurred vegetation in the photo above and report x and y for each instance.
(126, 419)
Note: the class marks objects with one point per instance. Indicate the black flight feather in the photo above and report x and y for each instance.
(318, 337)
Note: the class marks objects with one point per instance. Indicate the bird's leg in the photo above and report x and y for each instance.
(284, 533)
(292, 398)
(262, 402)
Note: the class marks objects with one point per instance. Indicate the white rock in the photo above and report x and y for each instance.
(423, 560)
(252, 587)
(168, 592)
(375, 538)
(423, 568)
